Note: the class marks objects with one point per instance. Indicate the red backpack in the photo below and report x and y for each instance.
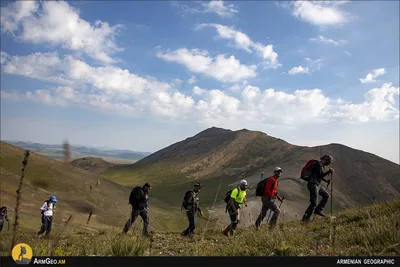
(306, 172)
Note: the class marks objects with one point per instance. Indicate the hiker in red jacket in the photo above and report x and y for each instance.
(268, 199)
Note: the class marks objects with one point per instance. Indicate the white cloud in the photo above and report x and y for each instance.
(299, 70)
(198, 91)
(60, 24)
(243, 41)
(380, 104)
(192, 80)
(321, 13)
(370, 78)
(217, 7)
(43, 66)
(177, 82)
(220, 8)
(221, 68)
(323, 40)
(114, 90)
(4, 57)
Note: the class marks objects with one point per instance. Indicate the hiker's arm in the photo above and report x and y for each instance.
(278, 196)
(232, 204)
(43, 207)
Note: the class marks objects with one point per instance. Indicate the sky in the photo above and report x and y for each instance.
(142, 75)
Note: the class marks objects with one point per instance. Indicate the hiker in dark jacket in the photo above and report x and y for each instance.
(3, 216)
(191, 205)
(47, 216)
(267, 199)
(140, 207)
(317, 175)
(238, 198)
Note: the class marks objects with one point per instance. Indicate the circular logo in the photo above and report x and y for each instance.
(22, 253)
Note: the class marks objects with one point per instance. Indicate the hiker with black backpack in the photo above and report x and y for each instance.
(313, 172)
(3, 216)
(139, 200)
(47, 216)
(234, 200)
(266, 189)
(191, 205)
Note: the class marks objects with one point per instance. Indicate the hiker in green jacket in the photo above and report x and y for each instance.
(191, 205)
(238, 198)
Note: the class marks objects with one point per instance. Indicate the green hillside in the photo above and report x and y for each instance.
(76, 194)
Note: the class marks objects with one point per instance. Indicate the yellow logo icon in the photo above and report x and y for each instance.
(22, 253)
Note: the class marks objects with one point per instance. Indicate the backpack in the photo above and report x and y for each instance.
(228, 195)
(185, 202)
(307, 170)
(136, 196)
(261, 187)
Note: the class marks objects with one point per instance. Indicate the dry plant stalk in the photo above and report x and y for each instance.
(90, 216)
(67, 152)
(24, 163)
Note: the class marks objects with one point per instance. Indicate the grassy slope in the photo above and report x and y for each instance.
(44, 177)
(358, 232)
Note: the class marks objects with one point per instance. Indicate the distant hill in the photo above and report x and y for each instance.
(78, 192)
(91, 164)
(56, 151)
(219, 158)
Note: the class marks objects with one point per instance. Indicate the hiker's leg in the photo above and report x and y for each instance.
(44, 225)
(325, 197)
(263, 212)
(187, 230)
(274, 208)
(49, 224)
(234, 222)
(145, 217)
(131, 220)
(313, 189)
(1, 226)
(192, 222)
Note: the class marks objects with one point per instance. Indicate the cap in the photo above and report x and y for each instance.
(54, 199)
(328, 157)
(243, 182)
(198, 184)
(277, 169)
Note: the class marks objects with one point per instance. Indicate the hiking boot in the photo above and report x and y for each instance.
(319, 213)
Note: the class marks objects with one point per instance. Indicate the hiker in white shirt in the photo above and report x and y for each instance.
(47, 215)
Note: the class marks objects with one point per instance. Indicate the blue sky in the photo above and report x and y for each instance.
(144, 74)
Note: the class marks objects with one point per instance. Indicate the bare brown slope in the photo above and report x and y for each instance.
(92, 164)
(218, 155)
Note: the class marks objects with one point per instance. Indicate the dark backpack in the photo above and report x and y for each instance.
(185, 202)
(228, 195)
(306, 172)
(260, 189)
(136, 197)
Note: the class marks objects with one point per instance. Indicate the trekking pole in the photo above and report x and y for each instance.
(24, 163)
(331, 219)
